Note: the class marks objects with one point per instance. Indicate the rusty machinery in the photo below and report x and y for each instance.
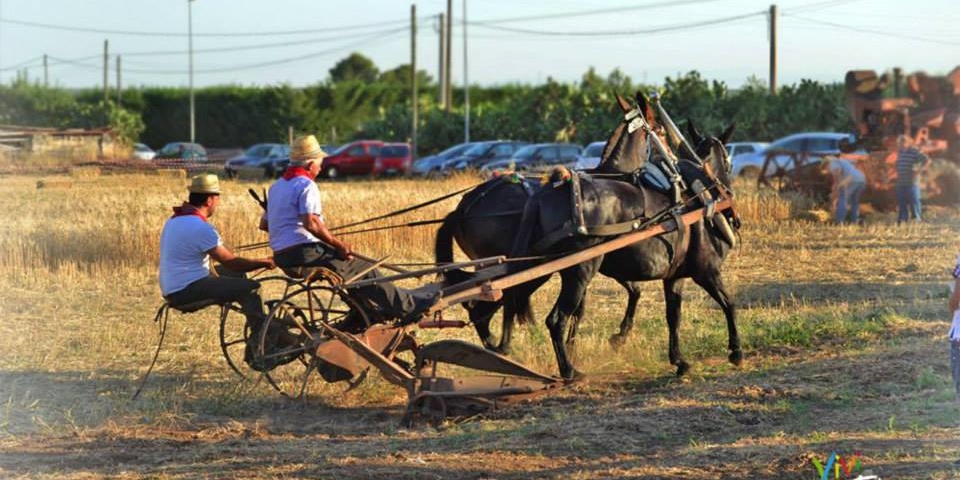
(923, 107)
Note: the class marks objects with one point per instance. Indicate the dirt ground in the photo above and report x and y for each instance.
(762, 421)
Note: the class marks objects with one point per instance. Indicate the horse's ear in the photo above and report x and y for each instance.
(645, 107)
(624, 104)
(695, 137)
(727, 134)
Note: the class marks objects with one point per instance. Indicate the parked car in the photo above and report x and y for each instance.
(430, 165)
(394, 159)
(812, 145)
(270, 159)
(143, 152)
(191, 152)
(483, 153)
(536, 157)
(737, 148)
(354, 158)
(590, 157)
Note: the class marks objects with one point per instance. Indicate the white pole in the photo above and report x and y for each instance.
(190, 54)
(466, 80)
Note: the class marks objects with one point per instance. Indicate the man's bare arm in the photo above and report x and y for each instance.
(239, 264)
(313, 225)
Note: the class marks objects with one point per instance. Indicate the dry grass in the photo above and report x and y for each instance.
(843, 327)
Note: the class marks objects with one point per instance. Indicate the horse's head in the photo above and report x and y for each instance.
(713, 150)
(627, 148)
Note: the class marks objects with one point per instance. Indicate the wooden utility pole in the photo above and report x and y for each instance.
(46, 77)
(447, 63)
(119, 85)
(442, 101)
(413, 80)
(466, 80)
(106, 66)
(773, 49)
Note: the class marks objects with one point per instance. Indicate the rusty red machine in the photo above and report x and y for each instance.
(925, 108)
(882, 107)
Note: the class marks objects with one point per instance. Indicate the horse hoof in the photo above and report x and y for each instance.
(682, 368)
(736, 357)
(574, 376)
(617, 341)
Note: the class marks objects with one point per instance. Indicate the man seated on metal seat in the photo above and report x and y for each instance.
(186, 245)
(300, 238)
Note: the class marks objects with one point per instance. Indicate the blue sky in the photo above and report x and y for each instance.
(509, 41)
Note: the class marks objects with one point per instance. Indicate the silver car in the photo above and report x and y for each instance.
(812, 146)
(590, 157)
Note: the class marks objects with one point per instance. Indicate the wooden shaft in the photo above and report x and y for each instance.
(554, 266)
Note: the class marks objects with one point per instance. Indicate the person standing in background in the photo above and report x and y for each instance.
(910, 162)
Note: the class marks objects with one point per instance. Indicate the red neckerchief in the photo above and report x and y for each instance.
(296, 171)
(187, 209)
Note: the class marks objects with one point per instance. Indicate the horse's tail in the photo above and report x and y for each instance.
(443, 245)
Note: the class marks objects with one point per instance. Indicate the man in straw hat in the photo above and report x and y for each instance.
(300, 238)
(186, 245)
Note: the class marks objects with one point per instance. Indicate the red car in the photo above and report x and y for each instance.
(354, 158)
(394, 159)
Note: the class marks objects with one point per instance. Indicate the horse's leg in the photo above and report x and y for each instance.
(672, 290)
(712, 282)
(480, 315)
(516, 305)
(575, 319)
(573, 286)
(626, 324)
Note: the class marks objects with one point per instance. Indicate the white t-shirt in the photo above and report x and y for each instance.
(846, 172)
(288, 201)
(184, 244)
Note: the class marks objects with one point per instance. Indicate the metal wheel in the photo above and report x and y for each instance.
(234, 331)
(295, 327)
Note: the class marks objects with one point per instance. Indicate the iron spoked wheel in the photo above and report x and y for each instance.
(234, 331)
(296, 326)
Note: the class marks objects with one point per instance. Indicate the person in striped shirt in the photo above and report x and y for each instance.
(954, 334)
(910, 162)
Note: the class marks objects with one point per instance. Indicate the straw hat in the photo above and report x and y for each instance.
(207, 183)
(306, 149)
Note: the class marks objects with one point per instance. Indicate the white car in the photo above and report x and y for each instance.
(143, 152)
(590, 157)
(737, 148)
(811, 146)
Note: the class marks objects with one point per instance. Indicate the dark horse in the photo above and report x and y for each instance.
(487, 220)
(694, 253)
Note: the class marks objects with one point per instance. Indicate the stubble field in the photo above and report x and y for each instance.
(843, 328)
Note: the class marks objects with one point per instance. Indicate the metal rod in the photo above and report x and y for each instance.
(672, 129)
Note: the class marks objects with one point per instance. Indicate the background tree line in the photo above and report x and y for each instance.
(359, 101)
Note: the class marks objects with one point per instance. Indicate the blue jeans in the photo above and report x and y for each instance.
(908, 198)
(848, 202)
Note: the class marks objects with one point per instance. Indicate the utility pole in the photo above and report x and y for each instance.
(466, 80)
(46, 78)
(442, 101)
(119, 87)
(413, 79)
(447, 104)
(773, 49)
(106, 66)
(193, 129)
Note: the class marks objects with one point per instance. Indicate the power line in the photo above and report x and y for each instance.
(584, 13)
(886, 33)
(265, 45)
(168, 34)
(237, 67)
(610, 33)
